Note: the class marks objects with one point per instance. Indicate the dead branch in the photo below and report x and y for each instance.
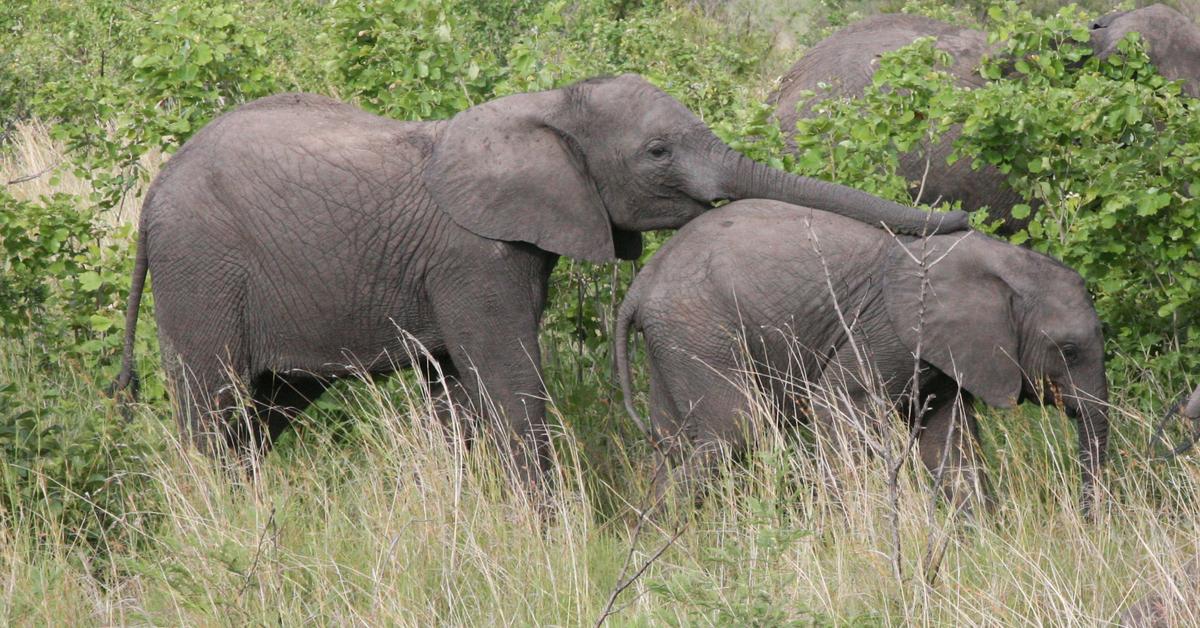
(31, 177)
(623, 582)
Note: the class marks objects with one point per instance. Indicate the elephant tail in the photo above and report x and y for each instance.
(127, 378)
(624, 320)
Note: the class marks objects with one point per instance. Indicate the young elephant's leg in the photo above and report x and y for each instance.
(949, 448)
(699, 412)
(490, 330)
(278, 399)
(206, 398)
(847, 425)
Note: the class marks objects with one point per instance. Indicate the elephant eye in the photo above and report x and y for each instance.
(1070, 353)
(659, 151)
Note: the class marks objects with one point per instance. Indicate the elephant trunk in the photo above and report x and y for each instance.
(1190, 413)
(1092, 423)
(751, 179)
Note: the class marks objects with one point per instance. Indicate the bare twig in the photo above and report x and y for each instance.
(622, 585)
(270, 526)
(623, 582)
(31, 177)
(924, 175)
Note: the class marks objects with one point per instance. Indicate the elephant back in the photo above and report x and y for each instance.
(1172, 38)
(843, 63)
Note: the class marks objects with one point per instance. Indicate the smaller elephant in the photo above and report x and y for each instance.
(799, 298)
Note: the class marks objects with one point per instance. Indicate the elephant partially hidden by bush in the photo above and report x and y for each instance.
(297, 239)
(1188, 410)
(844, 63)
(774, 290)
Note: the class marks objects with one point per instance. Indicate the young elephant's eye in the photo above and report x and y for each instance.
(1070, 353)
(658, 151)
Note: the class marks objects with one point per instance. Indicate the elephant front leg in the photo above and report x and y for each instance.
(493, 346)
(949, 447)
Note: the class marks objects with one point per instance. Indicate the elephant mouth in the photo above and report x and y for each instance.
(1050, 393)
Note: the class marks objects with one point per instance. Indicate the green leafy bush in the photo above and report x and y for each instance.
(411, 60)
(192, 61)
(67, 473)
(44, 245)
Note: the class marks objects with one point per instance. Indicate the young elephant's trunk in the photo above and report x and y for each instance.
(1092, 423)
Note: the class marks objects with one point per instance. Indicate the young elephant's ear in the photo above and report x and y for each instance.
(963, 324)
(503, 171)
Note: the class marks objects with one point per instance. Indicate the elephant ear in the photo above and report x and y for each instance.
(964, 325)
(502, 170)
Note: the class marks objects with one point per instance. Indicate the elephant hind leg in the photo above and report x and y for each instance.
(207, 400)
(699, 410)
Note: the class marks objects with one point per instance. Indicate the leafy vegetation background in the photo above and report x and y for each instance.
(363, 516)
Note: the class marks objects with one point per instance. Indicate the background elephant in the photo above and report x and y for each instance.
(1189, 410)
(297, 239)
(1002, 322)
(846, 61)
(1172, 38)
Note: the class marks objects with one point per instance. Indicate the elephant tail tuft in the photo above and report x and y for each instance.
(624, 319)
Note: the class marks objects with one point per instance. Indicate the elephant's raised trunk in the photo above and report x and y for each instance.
(751, 179)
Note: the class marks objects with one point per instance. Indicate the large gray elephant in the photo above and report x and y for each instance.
(843, 65)
(771, 289)
(298, 239)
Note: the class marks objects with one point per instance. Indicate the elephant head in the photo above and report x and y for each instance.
(1172, 38)
(579, 171)
(1007, 324)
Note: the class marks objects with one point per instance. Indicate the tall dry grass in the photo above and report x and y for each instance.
(380, 520)
(33, 165)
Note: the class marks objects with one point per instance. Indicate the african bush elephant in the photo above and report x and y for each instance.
(1189, 410)
(843, 65)
(297, 239)
(771, 289)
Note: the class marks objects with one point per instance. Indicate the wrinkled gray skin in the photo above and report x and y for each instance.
(846, 61)
(294, 239)
(1003, 322)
